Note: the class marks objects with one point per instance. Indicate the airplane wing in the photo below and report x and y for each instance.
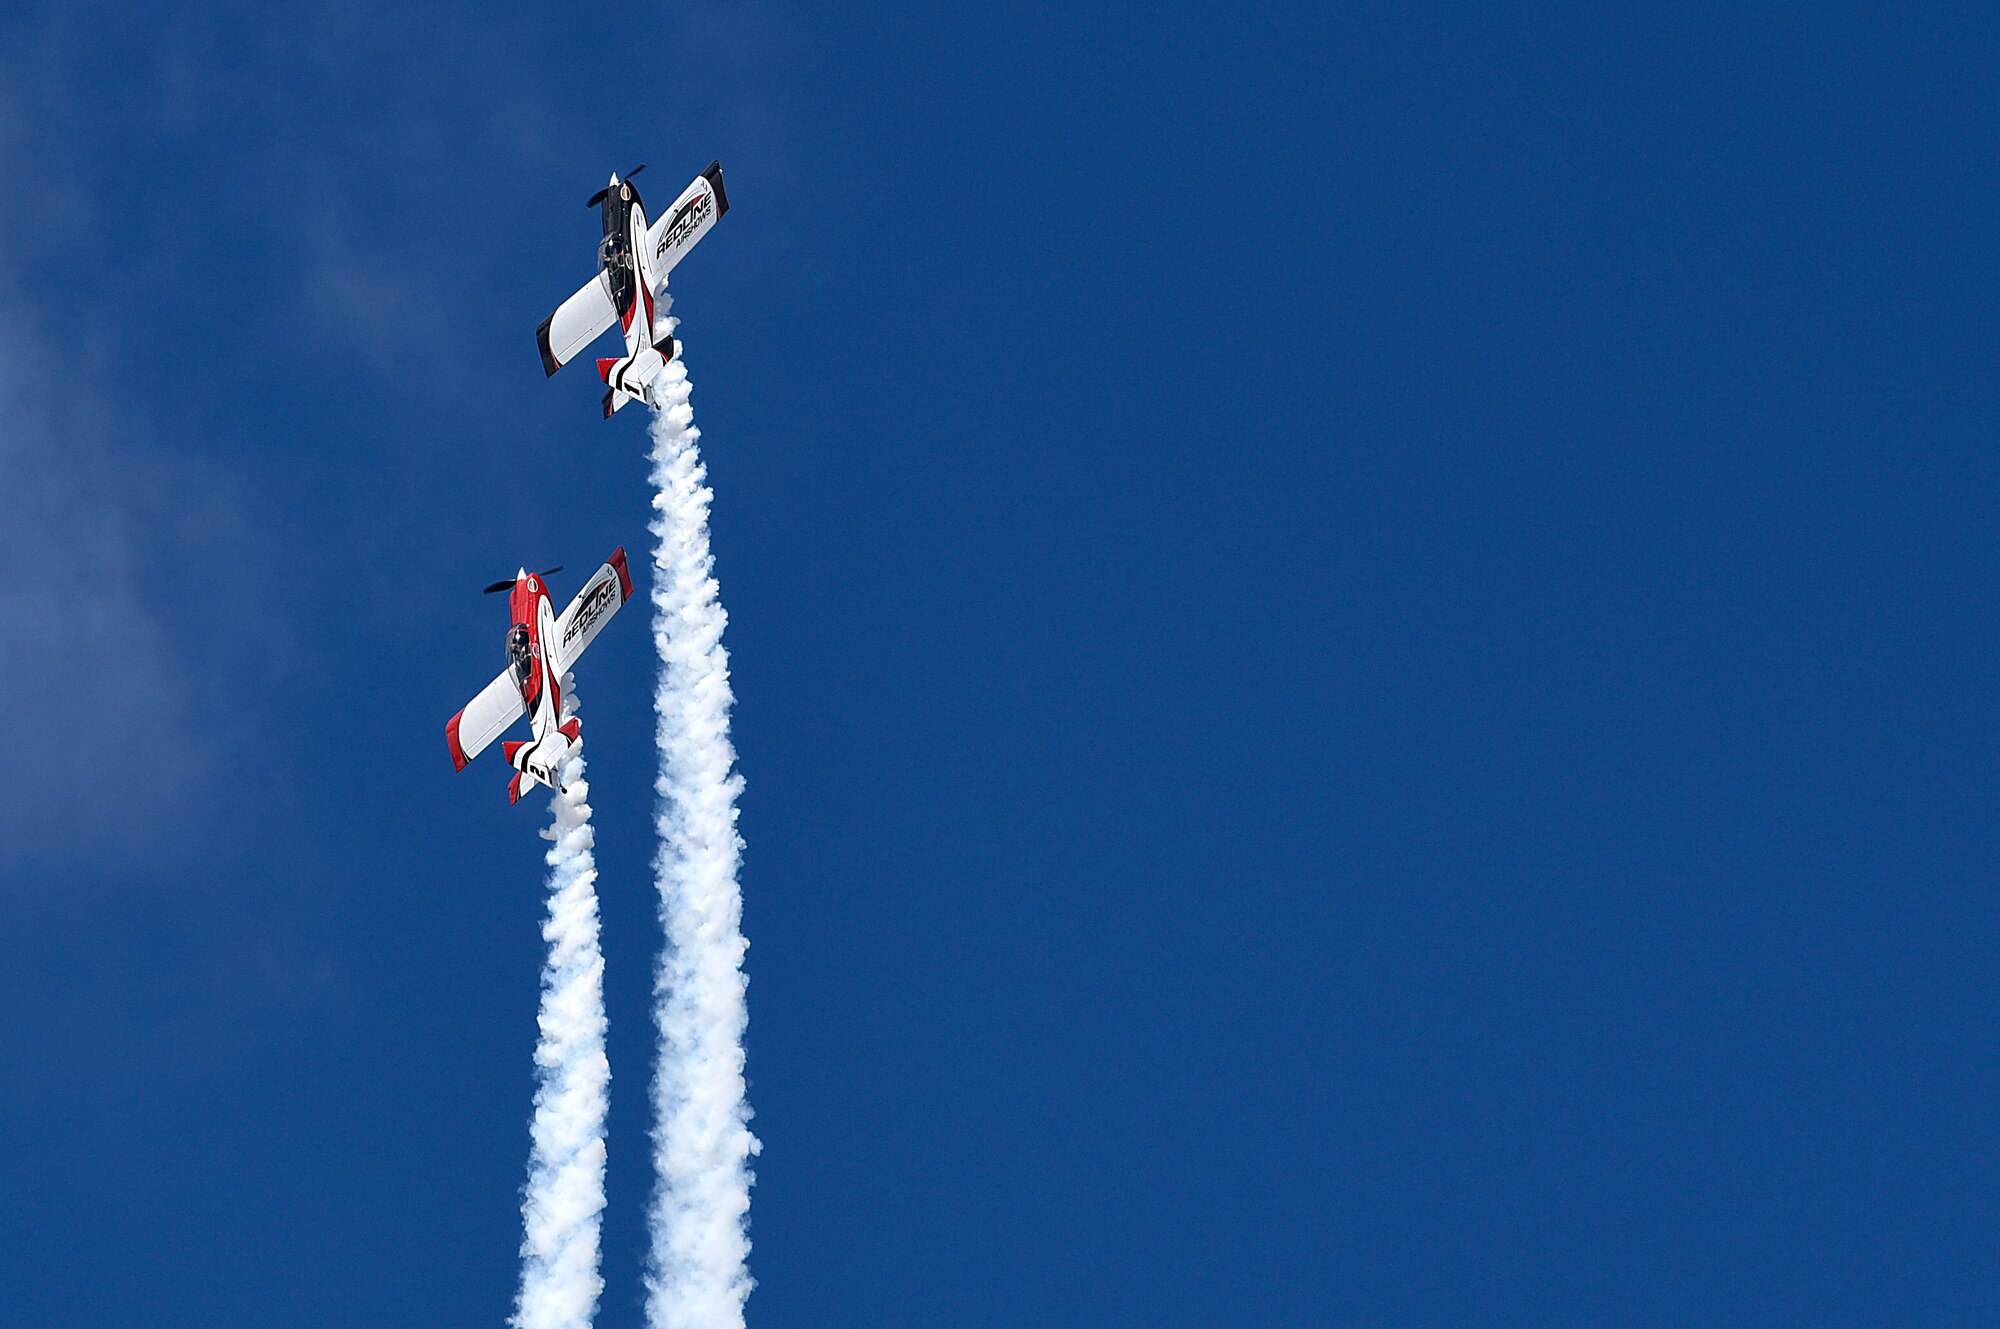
(576, 323)
(484, 719)
(608, 589)
(688, 220)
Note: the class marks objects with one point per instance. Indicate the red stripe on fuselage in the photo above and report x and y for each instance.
(522, 603)
(525, 605)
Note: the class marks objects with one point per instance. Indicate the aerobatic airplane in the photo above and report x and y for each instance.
(633, 262)
(541, 648)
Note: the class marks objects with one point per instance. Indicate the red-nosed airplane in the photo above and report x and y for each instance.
(633, 262)
(541, 648)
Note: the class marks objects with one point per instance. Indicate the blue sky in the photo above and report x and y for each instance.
(1363, 643)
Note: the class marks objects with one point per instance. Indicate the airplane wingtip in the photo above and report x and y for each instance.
(714, 175)
(458, 757)
(549, 362)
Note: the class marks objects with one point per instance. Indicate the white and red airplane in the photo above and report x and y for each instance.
(633, 262)
(541, 648)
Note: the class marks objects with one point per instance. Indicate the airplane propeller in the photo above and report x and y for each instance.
(508, 584)
(598, 197)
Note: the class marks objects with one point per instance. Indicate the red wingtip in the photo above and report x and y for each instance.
(458, 757)
(624, 577)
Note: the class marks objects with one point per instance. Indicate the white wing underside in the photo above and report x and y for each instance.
(691, 217)
(600, 598)
(581, 320)
(487, 715)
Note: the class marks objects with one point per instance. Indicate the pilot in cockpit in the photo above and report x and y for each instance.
(520, 655)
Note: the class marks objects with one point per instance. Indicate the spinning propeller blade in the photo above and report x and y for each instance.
(508, 584)
(598, 197)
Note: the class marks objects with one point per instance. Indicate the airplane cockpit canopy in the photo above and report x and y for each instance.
(616, 255)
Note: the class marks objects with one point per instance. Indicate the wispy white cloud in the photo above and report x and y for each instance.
(110, 749)
(123, 558)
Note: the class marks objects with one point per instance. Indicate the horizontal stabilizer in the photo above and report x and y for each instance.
(631, 379)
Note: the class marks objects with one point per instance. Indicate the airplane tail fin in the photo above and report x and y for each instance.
(510, 751)
(572, 729)
(514, 789)
(636, 383)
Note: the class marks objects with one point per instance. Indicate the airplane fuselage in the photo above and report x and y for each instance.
(541, 690)
(628, 278)
(623, 254)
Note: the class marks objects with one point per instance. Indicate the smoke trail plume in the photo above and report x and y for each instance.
(696, 1276)
(563, 1203)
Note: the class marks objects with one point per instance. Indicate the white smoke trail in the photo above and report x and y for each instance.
(563, 1203)
(696, 1276)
